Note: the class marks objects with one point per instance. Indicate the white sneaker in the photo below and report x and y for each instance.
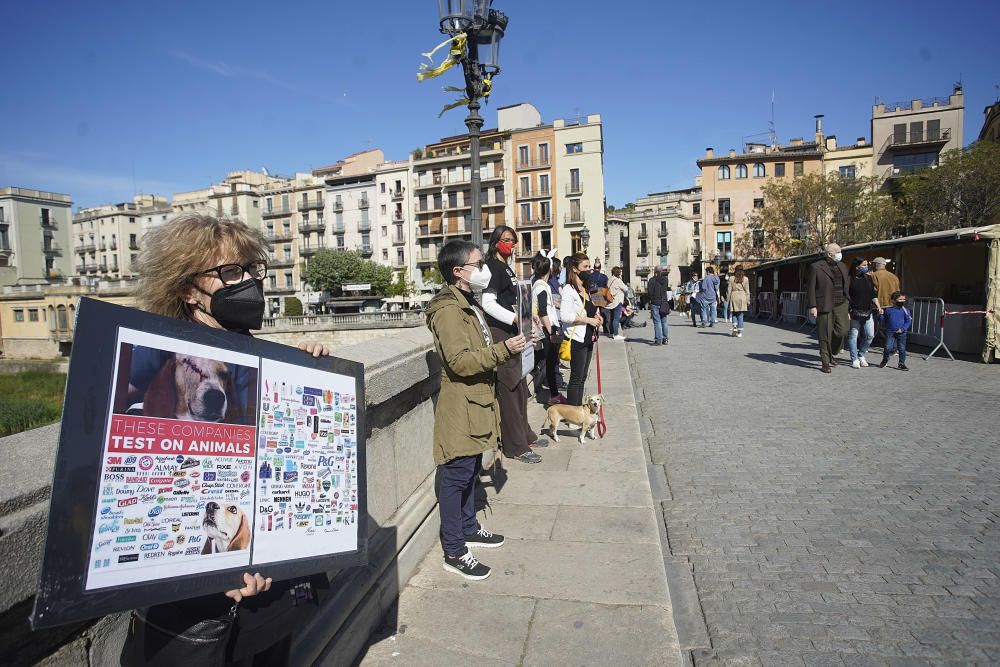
(856, 363)
(864, 362)
(739, 333)
(619, 337)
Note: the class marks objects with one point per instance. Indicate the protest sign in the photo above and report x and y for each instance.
(525, 325)
(188, 456)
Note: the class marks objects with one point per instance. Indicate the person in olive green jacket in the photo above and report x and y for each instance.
(466, 417)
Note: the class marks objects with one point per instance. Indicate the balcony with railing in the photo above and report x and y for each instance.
(643, 251)
(526, 165)
(113, 245)
(920, 137)
(365, 250)
(81, 250)
(574, 218)
(338, 206)
(397, 216)
(277, 211)
(365, 226)
(280, 262)
(90, 267)
(310, 250)
(529, 223)
(280, 289)
(397, 194)
(48, 223)
(574, 188)
(498, 175)
(662, 231)
(642, 270)
(723, 218)
(337, 227)
(309, 226)
(52, 249)
(537, 193)
(103, 267)
(278, 235)
(364, 203)
(643, 234)
(311, 204)
(398, 239)
(133, 245)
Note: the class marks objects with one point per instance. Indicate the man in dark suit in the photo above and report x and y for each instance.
(828, 303)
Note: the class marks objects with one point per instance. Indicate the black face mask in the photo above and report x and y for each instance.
(238, 307)
(585, 276)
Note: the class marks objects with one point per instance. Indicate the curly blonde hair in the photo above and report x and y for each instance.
(173, 255)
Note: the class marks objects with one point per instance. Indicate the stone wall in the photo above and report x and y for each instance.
(401, 376)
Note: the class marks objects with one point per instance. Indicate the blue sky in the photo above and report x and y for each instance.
(107, 98)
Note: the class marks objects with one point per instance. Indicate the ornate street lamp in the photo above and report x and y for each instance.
(483, 28)
(585, 239)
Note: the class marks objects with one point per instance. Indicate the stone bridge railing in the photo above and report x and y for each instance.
(401, 376)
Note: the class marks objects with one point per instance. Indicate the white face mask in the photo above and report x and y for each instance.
(838, 256)
(562, 277)
(479, 279)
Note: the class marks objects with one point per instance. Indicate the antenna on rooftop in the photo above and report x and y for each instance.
(774, 134)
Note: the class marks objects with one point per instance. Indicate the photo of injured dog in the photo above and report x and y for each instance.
(225, 527)
(159, 383)
(584, 416)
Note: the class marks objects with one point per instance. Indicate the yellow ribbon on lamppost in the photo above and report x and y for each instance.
(455, 54)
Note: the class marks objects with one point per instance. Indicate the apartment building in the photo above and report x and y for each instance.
(732, 187)
(855, 160)
(442, 195)
(532, 183)
(394, 216)
(106, 239)
(579, 172)
(34, 236)
(238, 196)
(991, 123)
(350, 200)
(664, 231)
(908, 137)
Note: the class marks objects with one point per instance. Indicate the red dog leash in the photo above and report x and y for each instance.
(602, 426)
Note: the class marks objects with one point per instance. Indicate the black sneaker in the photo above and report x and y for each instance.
(484, 539)
(528, 457)
(541, 442)
(902, 367)
(883, 363)
(466, 565)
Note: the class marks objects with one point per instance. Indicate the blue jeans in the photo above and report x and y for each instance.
(708, 311)
(738, 319)
(867, 330)
(893, 341)
(695, 308)
(725, 309)
(456, 486)
(659, 323)
(616, 318)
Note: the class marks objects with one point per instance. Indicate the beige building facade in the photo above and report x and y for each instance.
(106, 239)
(664, 231)
(991, 123)
(35, 245)
(908, 137)
(394, 216)
(579, 170)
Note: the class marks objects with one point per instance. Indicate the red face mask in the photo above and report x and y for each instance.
(505, 248)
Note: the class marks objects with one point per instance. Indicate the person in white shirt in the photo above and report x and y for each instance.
(581, 321)
(547, 315)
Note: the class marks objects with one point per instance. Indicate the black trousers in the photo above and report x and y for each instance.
(457, 480)
(550, 356)
(695, 310)
(579, 367)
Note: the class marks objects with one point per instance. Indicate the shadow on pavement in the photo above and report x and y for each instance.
(715, 333)
(787, 358)
(800, 346)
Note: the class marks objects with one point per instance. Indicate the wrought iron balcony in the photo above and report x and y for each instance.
(308, 226)
(574, 189)
(363, 204)
(275, 212)
(397, 194)
(338, 206)
(397, 216)
(723, 218)
(365, 226)
(310, 250)
(311, 204)
(533, 164)
(574, 218)
(52, 249)
(365, 250)
(280, 262)
(278, 235)
(48, 223)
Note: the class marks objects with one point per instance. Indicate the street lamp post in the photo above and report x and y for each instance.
(585, 239)
(483, 27)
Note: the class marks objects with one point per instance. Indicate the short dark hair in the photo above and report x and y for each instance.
(897, 294)
(616, 271)
(453, 254)
(710, 269)
(540, 265)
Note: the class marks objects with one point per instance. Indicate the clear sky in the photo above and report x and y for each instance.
(104, 99)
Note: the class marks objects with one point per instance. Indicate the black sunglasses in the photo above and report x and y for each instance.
(230, 274)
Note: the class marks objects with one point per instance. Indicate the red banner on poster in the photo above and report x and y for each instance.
(152, 435)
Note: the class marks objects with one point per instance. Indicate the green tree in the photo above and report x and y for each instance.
(963, 191)
(433, 276)
(293, 307)
(402, 285)
(329, 270)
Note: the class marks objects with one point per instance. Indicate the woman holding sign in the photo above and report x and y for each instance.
(211, 271)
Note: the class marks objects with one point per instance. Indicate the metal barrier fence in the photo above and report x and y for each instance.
(793, 307)
(765, 305)
(928, 322)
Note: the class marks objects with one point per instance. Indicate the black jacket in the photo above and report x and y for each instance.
(656, 290)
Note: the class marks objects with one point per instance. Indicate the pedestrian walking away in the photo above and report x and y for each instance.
(581, 323)
(659, 306)
(708, 297)
(827, 298)
(691, 290)
(499, 302)
(618, 290)
(466, 414)
(886, 282)
(897, 320)
(724, 293)
(864, 307)
(739, 300)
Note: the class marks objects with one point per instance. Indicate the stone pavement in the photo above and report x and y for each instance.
(581, 579)
(849, 519)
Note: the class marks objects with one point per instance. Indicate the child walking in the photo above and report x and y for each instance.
(897, 320)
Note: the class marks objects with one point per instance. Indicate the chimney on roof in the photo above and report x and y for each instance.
(732, 152)
(819, 129)
(831, 142)
(862, 141)
(709, 152)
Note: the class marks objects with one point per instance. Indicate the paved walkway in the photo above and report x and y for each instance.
(849, 519)
(581, 579)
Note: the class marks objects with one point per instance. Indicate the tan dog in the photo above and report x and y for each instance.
(191, 388)
(226, 528)
(584, 416)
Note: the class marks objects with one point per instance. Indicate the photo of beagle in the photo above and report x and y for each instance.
(584, 416)
(192, 388)
(226, 528)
